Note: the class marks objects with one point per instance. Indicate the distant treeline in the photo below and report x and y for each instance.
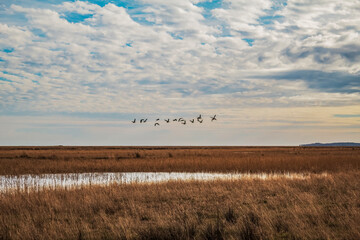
(337, 144)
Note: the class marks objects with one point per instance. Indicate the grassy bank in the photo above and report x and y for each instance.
(24, 160)
(316, 208)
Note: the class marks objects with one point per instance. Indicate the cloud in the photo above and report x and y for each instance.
(335, 82)
(347, 115)
(161, 56)
(321, 55)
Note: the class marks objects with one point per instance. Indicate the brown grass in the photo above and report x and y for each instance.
(23, 160)
(316, 208)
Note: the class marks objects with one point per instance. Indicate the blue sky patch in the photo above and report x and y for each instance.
(8, 50)
(249, 41)
(267, 20)
(38, 32)
(271, 14)
(209, 5)
(5, 80)
(74, 17)
(176, 36)
(141, 20)
(119, 3)
(9, 73)
(278, 5)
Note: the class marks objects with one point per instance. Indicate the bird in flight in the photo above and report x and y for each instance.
(180, 120)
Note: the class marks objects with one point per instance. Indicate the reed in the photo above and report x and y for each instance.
(314, 208)
(36, 160)
(278, 208)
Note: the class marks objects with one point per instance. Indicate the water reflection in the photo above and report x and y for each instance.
(76, 180)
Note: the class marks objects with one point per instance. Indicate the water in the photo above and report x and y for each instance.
(76, 180)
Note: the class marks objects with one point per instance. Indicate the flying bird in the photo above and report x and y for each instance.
(192, 120)
(183, 122)
(213, 118)
(156, 124)
(175, 120)
(167, 120)
(134, 120)
(200, 121)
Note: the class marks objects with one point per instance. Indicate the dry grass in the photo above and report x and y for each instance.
(316, 208)
(23, 160)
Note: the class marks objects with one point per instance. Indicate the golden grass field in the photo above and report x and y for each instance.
(312, 208)
(23, 160)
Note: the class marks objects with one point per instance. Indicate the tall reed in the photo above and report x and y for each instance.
(25, 160)
(315, 208)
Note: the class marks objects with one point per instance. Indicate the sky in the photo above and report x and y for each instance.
(275, 72)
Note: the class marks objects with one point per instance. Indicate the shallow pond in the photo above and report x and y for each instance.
(76, 180)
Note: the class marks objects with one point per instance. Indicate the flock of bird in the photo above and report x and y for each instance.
(180, 120)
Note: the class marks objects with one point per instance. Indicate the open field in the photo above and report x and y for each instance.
(36, 160)
(316, 208)
(277, 208)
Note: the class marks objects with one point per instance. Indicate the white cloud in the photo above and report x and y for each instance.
(176, 58)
